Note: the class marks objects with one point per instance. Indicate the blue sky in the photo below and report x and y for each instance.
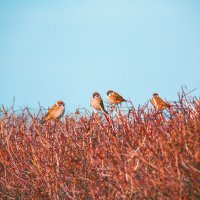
(51, 50)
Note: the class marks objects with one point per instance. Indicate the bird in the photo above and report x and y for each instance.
(114, 97)
(97, 103)
(55, 112)
(158, 103)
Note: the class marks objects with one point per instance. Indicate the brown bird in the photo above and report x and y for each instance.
(114, 97)
(158, 103)
(55, 112)
(97, 103)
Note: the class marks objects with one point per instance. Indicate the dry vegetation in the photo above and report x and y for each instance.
(138, 154)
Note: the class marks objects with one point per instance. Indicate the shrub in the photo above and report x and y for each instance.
(137, 154)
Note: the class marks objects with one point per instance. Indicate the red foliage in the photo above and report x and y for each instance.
(140, 154)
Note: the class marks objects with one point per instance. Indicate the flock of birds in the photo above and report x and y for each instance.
(58, 109)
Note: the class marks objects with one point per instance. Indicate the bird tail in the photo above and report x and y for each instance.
(103, 109)
(44, 119)
(124, 100)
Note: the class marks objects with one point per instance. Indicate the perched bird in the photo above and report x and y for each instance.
(114, 97)
(97, 103)
(55, 112)
(158, 103)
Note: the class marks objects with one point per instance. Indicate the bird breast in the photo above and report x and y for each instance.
(58, 113)
(95, 103)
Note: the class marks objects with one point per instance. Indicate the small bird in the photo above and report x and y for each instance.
(55, 112)
(97, 103)
(114, 97)
(158, 103)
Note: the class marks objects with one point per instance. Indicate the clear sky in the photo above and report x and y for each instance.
(51, 50)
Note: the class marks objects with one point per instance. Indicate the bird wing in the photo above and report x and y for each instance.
(102, 107)
(117, 97)
(50, 110)
(161, 102)
(48, 114)
(158, 103)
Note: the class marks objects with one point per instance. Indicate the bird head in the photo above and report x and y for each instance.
(109, 92)
(60, 103)
(96, 94)
(155, 94)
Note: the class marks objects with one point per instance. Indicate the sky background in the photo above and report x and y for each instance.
(51, 50)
